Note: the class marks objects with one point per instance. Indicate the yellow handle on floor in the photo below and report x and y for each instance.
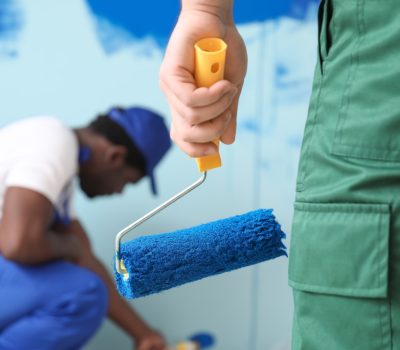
(209, 68)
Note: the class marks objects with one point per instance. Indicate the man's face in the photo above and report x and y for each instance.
(109, 181)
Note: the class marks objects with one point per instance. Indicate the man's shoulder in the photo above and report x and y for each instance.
(39, 153)
(43, 129)
(42, 138)
(41, 122)
(44, 123)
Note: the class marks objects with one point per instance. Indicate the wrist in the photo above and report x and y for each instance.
(140, 331)
(223, 9)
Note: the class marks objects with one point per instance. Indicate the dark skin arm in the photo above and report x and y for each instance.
(26, 237)
(119, 310)
(24, 230)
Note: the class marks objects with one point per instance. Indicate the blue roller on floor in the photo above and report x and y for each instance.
(159, 262)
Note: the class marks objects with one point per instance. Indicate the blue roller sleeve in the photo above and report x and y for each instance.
(163, 261)
(203, 340)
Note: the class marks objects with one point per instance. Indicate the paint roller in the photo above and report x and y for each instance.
(199, 341)
(209, 68)
(151, 264)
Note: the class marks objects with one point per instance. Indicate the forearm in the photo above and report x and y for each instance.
(49, 246)
(119, 311)
(25, 235)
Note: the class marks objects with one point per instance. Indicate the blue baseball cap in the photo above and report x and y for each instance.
(148, 133)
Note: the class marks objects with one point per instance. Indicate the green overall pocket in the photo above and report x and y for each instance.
(368, 120)
(338, 268)
(355, 104)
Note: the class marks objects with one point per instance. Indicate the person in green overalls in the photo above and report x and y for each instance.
(344, 261)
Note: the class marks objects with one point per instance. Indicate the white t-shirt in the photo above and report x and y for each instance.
(40, 154)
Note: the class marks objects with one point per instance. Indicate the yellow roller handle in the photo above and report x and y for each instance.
(209, 68)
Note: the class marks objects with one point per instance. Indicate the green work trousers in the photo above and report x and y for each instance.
(344, 262)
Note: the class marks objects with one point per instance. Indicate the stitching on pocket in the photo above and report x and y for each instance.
(343, 207)
(354, 62)
(385, 322)
(307, 140)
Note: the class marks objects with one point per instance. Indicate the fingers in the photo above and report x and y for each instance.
(202, 116)
(183, 87)
(196, 140)
(201, 133)
(152, 343)
(211, 103)
(198, 105)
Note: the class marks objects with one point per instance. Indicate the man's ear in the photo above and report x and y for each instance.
(115, 156)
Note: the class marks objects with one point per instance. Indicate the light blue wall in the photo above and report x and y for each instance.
(56, 64)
